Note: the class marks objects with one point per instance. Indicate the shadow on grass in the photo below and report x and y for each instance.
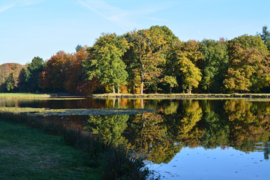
(115, 162)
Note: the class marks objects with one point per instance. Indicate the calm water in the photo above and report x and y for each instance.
(185, 139)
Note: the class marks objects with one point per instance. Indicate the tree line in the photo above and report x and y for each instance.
(149, 60)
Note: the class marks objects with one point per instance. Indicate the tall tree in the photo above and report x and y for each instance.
(188, 55)
(148, 55)
(249, 64)
(78, 47)
(32, 73)
(10, 82)
(106, 63)
(55, 72)
(265, 35)
(215, 60)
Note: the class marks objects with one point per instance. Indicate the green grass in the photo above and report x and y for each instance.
(37, 96)
(181, 96)
(23, 95)
(27, 153)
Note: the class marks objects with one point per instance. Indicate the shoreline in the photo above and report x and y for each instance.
(66, 96)
(183, 96)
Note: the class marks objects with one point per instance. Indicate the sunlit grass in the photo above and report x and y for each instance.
(23, 95)
(181, 96)
(36, 96)
(27, 153)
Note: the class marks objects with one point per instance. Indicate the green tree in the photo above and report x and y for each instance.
(105, 61)
(148, 54)
(265, 35)
(215, 60)
(188, 55)
(32, 73)
(171, 81)
(10, 82)
(78, 48)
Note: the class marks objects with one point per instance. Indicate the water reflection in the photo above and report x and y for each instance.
(110, 128)
(240, 124)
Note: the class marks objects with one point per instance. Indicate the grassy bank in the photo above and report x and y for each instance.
(27, 153)
(39, 96)
(24, 96)
(180, 96)
(112, 162)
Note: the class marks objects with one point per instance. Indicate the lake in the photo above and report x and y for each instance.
(184, 139)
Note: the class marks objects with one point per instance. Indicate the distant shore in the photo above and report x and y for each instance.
(181, 96)
(63, 96)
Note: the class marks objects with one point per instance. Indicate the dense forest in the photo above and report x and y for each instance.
(148, 60)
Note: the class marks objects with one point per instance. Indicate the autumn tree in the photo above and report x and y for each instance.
(148, 55)
(55, 72)
(106, 63)
(188, 55)
(171, 81)
(215, 60)
(73, 71)
(248, 64)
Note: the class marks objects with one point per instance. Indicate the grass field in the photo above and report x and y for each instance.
(27, 153)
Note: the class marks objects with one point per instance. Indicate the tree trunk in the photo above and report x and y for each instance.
(170, 90)
(189, 89)
(134, 89)
(113, 89)
(142, 78)
(142, 84)
(119, 90)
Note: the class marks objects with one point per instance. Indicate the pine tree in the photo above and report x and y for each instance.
(265, 35)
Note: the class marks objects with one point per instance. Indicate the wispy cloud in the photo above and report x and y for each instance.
(19, 3)
(4, 8)
(100, 4)
(126, 19)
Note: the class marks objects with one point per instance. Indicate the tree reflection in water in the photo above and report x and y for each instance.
(240, 124)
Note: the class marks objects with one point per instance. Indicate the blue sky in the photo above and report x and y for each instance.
(30, 28)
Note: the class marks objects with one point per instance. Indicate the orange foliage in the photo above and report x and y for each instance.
(63, 72)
